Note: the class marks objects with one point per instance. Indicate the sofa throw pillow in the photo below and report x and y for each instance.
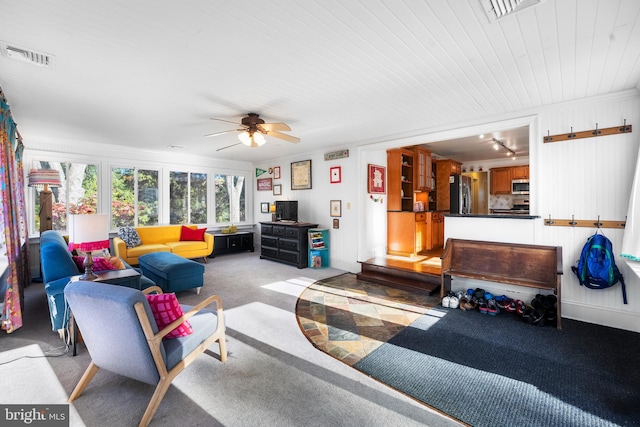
(130, 236)
(99, 264)
(187, 233)
(166, 309)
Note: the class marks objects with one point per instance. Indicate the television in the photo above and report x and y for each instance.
(287, 210)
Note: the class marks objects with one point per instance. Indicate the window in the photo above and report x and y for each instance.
(230, 199)
(77, 195)
(188, 198)
(134, 197)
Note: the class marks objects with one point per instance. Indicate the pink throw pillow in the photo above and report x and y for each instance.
(166, 309)
(99, 264)
(187, 233)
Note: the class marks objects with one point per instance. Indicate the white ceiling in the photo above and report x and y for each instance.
(151, 73)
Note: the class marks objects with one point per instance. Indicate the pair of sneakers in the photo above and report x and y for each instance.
(451, 300)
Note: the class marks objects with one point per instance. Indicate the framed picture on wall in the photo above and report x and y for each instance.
(277, 189)
(335, 208)
(276, 172)
(301, 175)
(335, 174)
(264, 184)
(264, 207)
(377, 179)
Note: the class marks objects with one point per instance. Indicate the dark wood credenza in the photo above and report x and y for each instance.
(285, 242)
(232, 242)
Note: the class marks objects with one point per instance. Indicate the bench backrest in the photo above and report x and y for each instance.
(518, 261)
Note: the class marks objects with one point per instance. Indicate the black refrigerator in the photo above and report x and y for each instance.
(460, 194)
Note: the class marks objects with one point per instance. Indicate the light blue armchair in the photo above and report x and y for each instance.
(122, 337)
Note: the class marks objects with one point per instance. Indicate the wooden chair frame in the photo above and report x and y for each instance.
(155, 341)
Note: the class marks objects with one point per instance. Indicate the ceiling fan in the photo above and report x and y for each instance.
(252, 130)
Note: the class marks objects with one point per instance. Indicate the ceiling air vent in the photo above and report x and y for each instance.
(496, 9)
(26, 55)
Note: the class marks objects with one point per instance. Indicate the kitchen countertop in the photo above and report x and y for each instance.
(495, 215)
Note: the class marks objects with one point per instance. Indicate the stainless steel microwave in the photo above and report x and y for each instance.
(520, 186)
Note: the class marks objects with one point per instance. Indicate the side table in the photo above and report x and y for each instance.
(126, 277)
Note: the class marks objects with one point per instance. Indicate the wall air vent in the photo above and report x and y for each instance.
(496, 9)
(26, 55)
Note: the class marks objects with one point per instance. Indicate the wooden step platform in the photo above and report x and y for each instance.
(422, 271)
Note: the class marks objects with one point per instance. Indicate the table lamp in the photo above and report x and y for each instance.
(88, 233)
(272, 209)
(43, 179)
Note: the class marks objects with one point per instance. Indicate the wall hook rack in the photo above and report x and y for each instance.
(584, 223)
(588, 133)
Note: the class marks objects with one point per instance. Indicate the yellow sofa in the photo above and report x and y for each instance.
(163, 238)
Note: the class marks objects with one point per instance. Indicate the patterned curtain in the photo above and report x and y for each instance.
(14, 218)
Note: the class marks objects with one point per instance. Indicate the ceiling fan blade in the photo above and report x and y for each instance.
(275, 126)
(228, 146)
(223, 132)
(223, 120)
(284, 136)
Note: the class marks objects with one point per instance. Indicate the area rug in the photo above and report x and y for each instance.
(497, 370)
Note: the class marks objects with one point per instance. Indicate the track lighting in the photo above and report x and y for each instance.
(497, 144)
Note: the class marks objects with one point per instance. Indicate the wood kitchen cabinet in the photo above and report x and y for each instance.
(520, 172)
(422, 170)
(444, 169)
(501, 180)
(434, 230)
(400, 176)
(406, 232)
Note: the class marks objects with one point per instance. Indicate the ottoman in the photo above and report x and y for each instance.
(172, 272)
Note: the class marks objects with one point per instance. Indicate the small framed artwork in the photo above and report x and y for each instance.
(277, 189)
(336, 223)
(335, 174)
(301, 175)
(376, 179)
(264, 184)
(335, 207)
(276, 172)
(264, 207)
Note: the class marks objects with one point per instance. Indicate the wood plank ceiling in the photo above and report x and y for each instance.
(150, 74)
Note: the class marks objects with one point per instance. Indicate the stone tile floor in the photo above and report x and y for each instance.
(349, 318)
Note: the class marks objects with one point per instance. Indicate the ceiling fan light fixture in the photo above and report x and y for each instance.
(252, 139)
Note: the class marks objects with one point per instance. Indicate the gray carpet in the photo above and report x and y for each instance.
(488, 371)
(274, 376)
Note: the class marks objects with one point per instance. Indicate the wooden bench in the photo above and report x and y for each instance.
(532, 266)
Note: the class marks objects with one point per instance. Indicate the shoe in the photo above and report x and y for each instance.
(483, 307)
(503, 302)
(462, 302)
(492, 307)
(520, 307)
(454, 302)
(445, 301)
(537, 317)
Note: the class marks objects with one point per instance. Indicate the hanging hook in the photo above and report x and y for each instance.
(624, 127)
(549, 222)
(572, 222)
(596, 132)
(548, 137)
(571, 135)
(598, 224)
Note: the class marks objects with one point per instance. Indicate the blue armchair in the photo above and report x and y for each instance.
(131, 344)
(57, 269)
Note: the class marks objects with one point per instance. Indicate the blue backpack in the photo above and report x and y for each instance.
(596, 267)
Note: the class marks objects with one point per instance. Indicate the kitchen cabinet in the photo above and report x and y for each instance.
(406, 232)
(400, 176)
(520, 172)
(445, 169)
(434, 230)
(500, 180)
(422, 170)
